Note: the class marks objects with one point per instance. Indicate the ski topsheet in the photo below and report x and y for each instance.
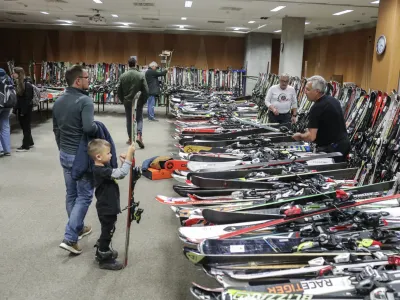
(311, 214)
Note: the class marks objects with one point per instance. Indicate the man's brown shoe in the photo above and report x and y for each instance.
(139, 140)
(85, 231)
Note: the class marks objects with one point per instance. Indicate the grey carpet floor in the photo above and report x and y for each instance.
(33, 218)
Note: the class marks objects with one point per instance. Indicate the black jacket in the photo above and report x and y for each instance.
(152, 81)
(24, 102)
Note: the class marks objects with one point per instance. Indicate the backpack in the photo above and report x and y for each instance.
(8, 96)
(36, 95)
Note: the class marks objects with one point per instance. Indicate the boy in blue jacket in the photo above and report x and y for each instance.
(108, 197)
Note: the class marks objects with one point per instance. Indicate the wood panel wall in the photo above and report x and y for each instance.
(116, 47)
(349, 54)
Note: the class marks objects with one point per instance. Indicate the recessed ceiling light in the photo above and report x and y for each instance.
(66, 24)
(251, 22)
(114, 16)
(66, 21)
(188, 3)
(277, 30)
(183, 18)
(261, 26)
(97, 1)
(44, 12)
(278, 8)
(308, 23)
(343, 12)
(236, 28)
(181, 26)
(375, 2)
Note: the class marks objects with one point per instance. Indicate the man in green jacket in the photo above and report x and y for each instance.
(130, 83)
(152, 75)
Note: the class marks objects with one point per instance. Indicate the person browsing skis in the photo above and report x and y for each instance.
(130, 83)
(152, 75)
(326, 125)
(281, 100)
(108, 197)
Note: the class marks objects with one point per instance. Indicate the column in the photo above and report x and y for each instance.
(292, 43)
(386, 67)
(258, 56)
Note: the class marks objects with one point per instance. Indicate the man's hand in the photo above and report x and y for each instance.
(297, 136)
(294, 119)
(274, 110)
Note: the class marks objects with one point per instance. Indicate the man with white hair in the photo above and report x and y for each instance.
(152, 75)
(326, 124)
(280, 99)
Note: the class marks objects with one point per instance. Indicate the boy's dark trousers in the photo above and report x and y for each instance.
(107, 230)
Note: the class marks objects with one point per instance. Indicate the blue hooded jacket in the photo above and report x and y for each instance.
(83, 163)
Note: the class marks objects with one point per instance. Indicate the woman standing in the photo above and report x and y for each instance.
(24, 107)
(5, 142)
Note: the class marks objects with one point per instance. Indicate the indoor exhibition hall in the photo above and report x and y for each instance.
(212, 150)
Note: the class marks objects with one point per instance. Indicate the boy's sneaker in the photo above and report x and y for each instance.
(107, 262)
(114, 254)
(85, 231)
(22, 149)
(71, 247)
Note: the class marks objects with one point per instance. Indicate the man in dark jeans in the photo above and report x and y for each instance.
(326, 125)
(130, 83)
(73, 116)
(152, 75)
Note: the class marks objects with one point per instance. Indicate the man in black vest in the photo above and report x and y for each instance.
(326, 125)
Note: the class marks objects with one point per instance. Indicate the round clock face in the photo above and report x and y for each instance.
(381, 45)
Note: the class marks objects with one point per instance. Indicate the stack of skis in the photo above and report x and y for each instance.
(269, 219)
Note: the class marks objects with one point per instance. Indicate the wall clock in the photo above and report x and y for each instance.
(381, 45)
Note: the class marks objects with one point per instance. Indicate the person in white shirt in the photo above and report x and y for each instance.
(281, 99)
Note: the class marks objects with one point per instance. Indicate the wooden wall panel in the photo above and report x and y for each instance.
(116, 47)
(348, 54)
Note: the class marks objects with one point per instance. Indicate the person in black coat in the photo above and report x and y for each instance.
(24, 107)
(152, 75)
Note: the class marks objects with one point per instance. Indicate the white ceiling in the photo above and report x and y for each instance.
(168, 13)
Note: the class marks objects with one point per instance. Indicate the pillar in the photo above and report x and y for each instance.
(257, 56)
(292, 43)
(386, 67)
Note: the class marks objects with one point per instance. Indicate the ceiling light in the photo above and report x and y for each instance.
(342, 12)
(236, 29)
(66, 21)
(97, 1)
(114, 16)
(183, 18)
(375, 2)
(261, 26)
(181, 26)
(278, 30)
(251, 22)
(188, 3)
(278, 8)
(308, 23)
(66, 24)
(44, 12)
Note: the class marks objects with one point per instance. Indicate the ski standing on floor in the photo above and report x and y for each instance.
(108, 198)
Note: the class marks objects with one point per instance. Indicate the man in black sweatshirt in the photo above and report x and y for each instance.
(73, 116)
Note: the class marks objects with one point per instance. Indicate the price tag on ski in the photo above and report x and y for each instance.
(134, 212)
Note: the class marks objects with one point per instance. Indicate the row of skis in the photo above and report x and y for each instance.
(268, 218)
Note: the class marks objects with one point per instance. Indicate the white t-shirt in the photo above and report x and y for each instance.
(283, 100)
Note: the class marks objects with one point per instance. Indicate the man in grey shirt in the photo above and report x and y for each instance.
(73, 116)
(280, 99)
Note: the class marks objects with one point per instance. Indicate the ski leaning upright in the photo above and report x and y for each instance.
(134, 212)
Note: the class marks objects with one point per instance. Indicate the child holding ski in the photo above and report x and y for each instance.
(108, 198)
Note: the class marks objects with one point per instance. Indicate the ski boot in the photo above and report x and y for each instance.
(107, 262)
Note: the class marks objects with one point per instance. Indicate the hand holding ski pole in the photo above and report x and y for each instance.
(131, 152)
